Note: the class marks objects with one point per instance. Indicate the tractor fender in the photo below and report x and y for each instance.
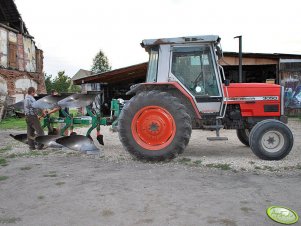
(173, 87)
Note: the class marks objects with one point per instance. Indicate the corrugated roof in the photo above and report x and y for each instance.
(265, 55)
(125, 74)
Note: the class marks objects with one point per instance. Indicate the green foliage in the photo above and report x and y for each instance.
(100, 63)
(3, 178)
(48, 82)
(3, 162)
(5, 149)
(9, 220)
(184, 160)
(74, 89)
(62, 83)
(219, 166)
(26, 168)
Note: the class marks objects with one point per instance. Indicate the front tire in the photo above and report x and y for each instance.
(154, 126)
(271, 140)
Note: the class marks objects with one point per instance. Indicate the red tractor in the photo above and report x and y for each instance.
(186, 89)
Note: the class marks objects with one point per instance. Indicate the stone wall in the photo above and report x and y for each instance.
(30, 79)
(21, 64)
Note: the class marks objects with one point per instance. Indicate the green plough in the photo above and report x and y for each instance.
(93, 118)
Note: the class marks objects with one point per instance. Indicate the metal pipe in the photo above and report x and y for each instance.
(240, 59)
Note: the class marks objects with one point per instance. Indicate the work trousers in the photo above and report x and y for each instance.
(33, 125)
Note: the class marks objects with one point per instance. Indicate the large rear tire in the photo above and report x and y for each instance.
(154, 126)
(271, 140)
(243, 136)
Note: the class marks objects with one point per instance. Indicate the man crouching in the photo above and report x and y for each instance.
(32, 119)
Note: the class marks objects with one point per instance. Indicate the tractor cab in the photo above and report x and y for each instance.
(191, 62)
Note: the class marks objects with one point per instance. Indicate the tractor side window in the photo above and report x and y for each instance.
(152, 66)
(193, 66)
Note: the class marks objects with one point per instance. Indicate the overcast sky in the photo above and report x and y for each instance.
(71, 32)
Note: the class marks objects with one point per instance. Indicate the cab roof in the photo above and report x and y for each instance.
(180, 40)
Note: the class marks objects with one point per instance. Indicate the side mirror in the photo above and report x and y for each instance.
(227, 82)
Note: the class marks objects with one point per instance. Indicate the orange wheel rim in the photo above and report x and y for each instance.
(153, 128)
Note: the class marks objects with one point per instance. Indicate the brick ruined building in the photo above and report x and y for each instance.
(21, 62)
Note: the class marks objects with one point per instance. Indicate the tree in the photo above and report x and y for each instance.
(61, 82)
(74, 88)
(48, 82)
(100, 63)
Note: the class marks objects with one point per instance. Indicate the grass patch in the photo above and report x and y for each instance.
(13, 123)
(269, 168)
(5, 149)
(3, 162)
(197, 162)
(13, 155)
(29, 154)
(3, 178)
(25, 168)
(184, 160)
(35, 153)
(59, 183)
(219, 166)
(41, 197)
(50, 174)
(107, 213)
(9, 220)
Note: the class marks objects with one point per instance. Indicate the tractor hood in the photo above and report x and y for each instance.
(256, 99)
(253, 90)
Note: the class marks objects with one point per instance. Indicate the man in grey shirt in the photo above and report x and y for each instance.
(32, 119)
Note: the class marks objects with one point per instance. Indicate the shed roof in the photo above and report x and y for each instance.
(10, 16)
(125, 74)
(265, 55)
(138, 71)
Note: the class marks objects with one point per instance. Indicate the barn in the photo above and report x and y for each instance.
(21, 62)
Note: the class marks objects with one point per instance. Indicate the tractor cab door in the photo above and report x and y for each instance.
(195, 68)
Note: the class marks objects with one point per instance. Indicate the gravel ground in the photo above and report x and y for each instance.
(212, 183)
(200, 152)
(218, 154)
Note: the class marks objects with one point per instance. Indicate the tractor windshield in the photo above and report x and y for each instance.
(194, 68)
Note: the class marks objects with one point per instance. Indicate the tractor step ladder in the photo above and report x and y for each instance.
(217, 128)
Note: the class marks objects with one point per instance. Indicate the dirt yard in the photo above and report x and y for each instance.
(212, 183)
